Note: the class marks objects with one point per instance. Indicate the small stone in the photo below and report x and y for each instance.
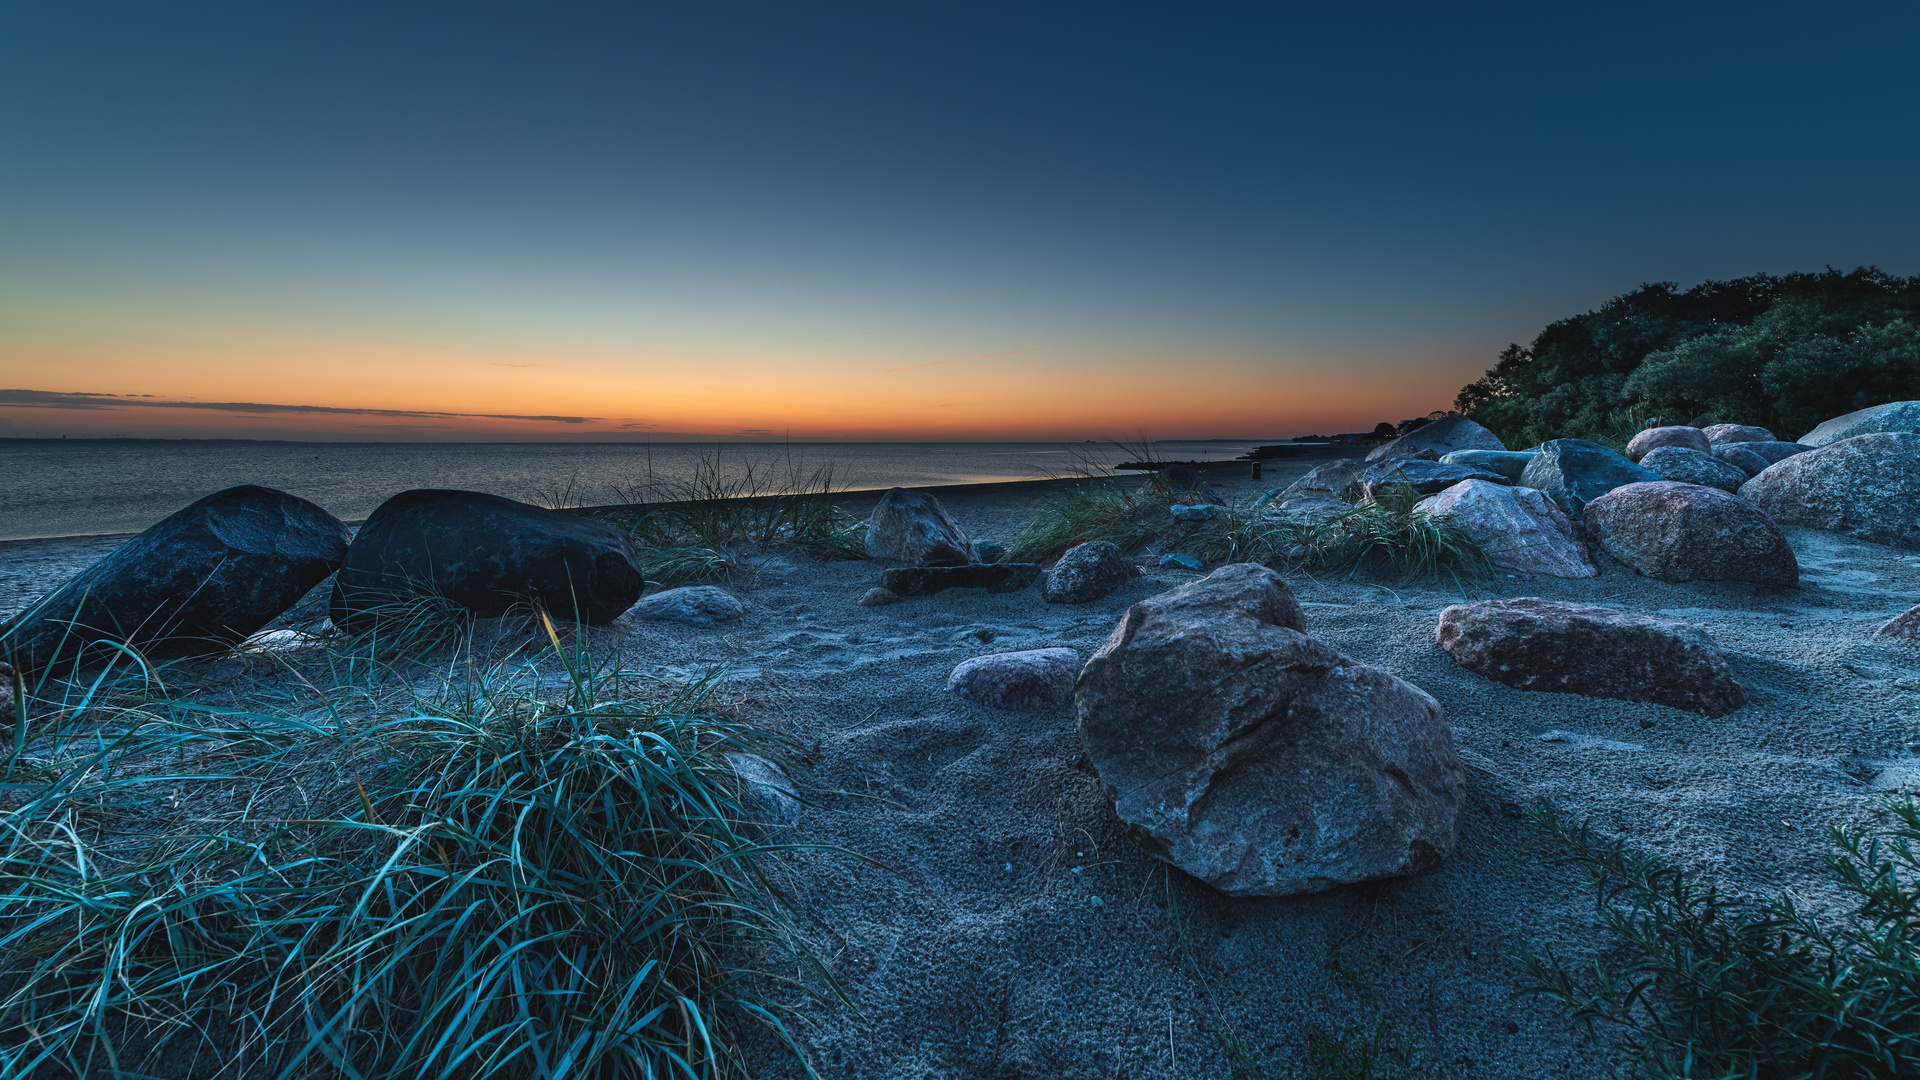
(1176, 560)
(1194, 514)
(1030, 679)
(768, 784)
(878, 597)
(1904, 626)
(1674, 435)
(691, 605)
(1094, 901)
(1087, 572)
(7, 700)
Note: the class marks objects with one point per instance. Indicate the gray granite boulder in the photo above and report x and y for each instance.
(1534, 644)
(1688, 466)
(1719, 434)
(1257, 759)
(1391, 480)
(1443, 436)
(1893, 416)
(486, 554)
(1689, 532)
(912, 527)
(1867, 486)
(1508, 463)
(1574, 472)
(1753, 458)
(927, 580)
(690, 605)
(1672, 435)
(1033, 679)
(1518, 528)
(1086, 573)
(987, 551)
(197, 583)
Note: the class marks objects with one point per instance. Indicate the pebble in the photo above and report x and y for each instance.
(1095, 901)
(1183, 562)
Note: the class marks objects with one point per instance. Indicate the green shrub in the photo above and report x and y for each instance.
(1711, 985)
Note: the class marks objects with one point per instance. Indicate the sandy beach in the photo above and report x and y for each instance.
(1008, 927)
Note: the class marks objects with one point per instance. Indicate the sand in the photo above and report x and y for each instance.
(1015, 931)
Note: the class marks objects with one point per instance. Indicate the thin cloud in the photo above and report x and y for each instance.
(964, 359)
(47, 399)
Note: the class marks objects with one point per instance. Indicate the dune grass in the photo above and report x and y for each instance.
(1707, 984)
(685, 528)
(529, 871)
(1389, 535)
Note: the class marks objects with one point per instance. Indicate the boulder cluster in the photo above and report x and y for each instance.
(210, 576)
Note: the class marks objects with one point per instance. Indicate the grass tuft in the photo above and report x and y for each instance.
(750, 502)
(1712, 985)
(531, 873)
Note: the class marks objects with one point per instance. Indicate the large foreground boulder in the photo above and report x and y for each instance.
(1534, 644)
(1753, 458)
(912, 527)
(1087, 572)
(1518, 528)
(199, 582)
(1030, 679)
(1893, 416)
(1687, 532)
(1508, 463)
(1574, 472)
(1443, 436)
(1867, 486)
(1687, 466)
(1692, 438)
(1411, 477)
(1257, 759)
(487, 554)
(1719, 434)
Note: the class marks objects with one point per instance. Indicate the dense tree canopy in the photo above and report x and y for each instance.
(1782, 352)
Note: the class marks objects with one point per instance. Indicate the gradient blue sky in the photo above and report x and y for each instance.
(893, 220)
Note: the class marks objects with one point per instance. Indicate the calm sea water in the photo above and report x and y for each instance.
(57, 487)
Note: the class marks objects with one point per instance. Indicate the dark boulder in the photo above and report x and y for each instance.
(486, 554)
(912, 527)
(1867, 486)
(1443, 436)
(1534, 644)
(1687, 532)
(1257, 759)
(927, 580)
(1508, 463)
(1412, 477)
(1574, 472)
(1691, 438)
(197, 583)
(1086, 573)
(1334, 480)
(1686, 466)
(1753, 458)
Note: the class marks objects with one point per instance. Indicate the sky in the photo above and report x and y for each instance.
(898, 220)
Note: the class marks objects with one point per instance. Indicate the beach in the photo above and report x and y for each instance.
(1001, 922)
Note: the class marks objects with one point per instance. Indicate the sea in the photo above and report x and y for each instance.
(89, 487)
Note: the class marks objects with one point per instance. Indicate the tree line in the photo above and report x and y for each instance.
(1782, 352)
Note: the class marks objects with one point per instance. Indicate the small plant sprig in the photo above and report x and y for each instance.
(1714, 986)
